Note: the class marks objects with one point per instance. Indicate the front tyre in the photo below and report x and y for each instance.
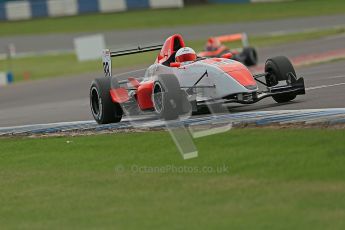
(169, 100)
(280, 69)
(103, 109)
(284, 97)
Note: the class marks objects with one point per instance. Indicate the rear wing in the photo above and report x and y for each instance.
(234, 37)
(107, 55)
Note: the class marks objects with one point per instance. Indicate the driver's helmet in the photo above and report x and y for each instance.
(185, 54)
(212, 44)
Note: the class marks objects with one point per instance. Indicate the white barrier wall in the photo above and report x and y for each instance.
(89, 47)
(18, 10)
(3, 79)
(27, 9)
(112, 6)
(166, 3)
(62, 7)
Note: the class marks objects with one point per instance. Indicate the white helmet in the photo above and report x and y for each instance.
(185, 54)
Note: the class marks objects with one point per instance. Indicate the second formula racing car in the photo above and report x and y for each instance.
(215, 48)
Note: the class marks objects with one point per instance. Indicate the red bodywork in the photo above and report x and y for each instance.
(170, 47)
(133, 82)
(235, 70)
(215, 53)
(144, 94)
(119, 95)
(218, 52)
(215, 43)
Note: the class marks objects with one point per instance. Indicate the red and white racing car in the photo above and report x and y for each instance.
(171, 89)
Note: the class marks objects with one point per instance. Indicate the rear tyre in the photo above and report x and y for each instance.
(250, 56)
(103, 109)
(280, 69)
(168, 99)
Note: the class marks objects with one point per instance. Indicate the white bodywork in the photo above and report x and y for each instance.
(221, 83)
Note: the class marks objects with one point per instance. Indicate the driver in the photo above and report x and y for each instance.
(185, 55)
(212, 44)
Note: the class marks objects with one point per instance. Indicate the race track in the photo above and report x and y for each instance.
(127, 38)
(66, 99)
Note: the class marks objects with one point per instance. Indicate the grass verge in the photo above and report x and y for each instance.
(66, 64)
(284, 179)
(193, 15)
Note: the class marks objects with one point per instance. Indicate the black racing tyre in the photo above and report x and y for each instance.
(279, 69)
(284, 97)
(168, 97)
(250, 56)
(103, 109)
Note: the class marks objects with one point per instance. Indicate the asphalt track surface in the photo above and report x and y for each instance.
(128, 38)
(66, 99)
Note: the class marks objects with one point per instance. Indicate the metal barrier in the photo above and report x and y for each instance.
(27, 9)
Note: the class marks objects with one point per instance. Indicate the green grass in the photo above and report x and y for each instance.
(194, 15)
(277, 179)
(66, 64)
(262, 41)
(47, 66)
(278, 39)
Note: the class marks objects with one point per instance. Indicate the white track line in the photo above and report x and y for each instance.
(335, 77)
(324, 86)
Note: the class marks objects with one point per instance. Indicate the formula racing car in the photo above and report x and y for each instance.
(215, 48)
(173, 87)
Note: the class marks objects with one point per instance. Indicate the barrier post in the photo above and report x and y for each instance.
(10, 78)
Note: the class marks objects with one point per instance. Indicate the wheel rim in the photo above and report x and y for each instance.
(95, 102)
(158, 98)
(271, 77)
